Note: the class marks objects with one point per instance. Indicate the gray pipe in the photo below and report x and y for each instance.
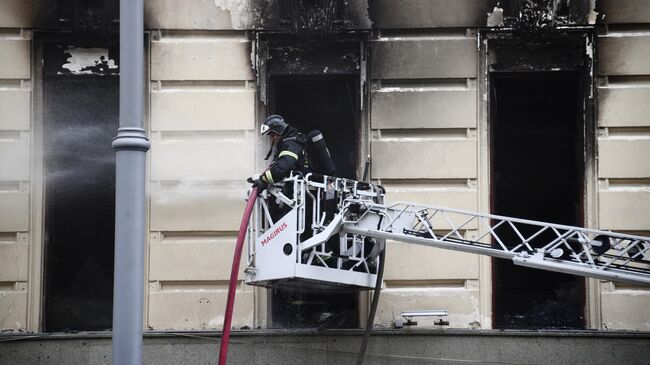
(131, 145)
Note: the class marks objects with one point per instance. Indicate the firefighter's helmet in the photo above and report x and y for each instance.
(273, 124)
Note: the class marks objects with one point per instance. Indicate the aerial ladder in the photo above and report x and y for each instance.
(322, 233)
(328, 234)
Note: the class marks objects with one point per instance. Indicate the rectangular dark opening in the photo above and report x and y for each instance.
(329, 104)
(326, 103)
(80, 119)
(537, 159)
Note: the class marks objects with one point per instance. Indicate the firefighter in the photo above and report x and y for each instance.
(289, 152)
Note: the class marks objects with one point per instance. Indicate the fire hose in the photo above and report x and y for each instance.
(232, 287)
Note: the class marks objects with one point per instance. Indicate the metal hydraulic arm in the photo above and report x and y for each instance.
(546, 246)
(323, 232)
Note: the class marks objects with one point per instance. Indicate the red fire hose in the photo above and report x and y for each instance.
(232, 287)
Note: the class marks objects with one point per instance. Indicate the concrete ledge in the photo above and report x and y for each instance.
(341, 346)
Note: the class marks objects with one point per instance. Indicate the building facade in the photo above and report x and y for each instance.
(535, 110)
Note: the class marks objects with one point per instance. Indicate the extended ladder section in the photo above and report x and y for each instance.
(327, 232)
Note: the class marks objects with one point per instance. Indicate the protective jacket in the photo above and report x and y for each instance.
(289, 155)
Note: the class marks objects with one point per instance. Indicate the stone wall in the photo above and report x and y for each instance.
(424, 146)
(203, 143)
(624, 144)
(16, 235)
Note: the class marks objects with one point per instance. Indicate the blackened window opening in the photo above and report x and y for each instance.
(329, 104)
(79, 122)
(537, 173)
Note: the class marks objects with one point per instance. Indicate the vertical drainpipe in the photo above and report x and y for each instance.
(131, 146)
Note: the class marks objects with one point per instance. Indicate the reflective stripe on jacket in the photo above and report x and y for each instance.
(289, 156)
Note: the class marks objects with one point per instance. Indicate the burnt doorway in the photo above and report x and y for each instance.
(330, 104)
(80, 119)
(537, 167)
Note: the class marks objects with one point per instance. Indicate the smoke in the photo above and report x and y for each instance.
(79, 154)
(239, 12)
(200, 192)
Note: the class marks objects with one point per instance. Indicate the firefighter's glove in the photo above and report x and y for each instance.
(258, 183)
(261, 185)
(252, 179)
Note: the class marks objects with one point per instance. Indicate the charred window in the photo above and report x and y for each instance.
(311, 16)
(80, 119)
(537, 173)
(315, 84)
(326, 103)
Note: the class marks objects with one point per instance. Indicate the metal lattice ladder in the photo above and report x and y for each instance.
(546, 246)
(329, 232)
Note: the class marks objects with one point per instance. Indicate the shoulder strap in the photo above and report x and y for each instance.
(299, 138)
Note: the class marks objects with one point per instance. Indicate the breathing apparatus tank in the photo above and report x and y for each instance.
(319, 156)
